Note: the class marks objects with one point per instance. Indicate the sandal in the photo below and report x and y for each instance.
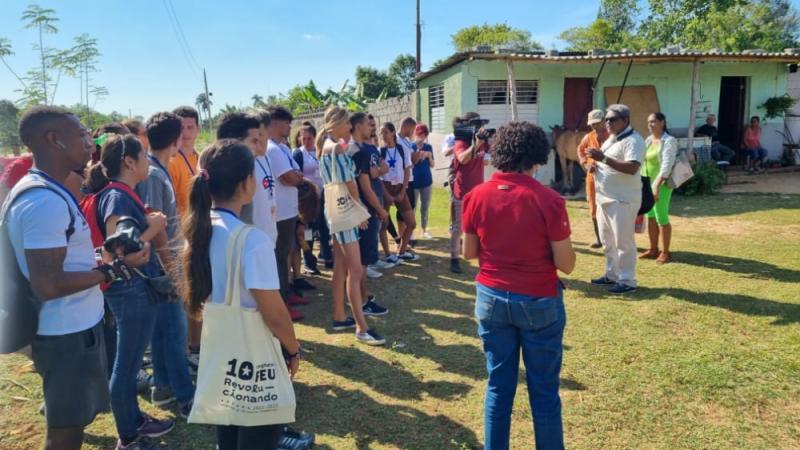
(664, 258)
(649, 254)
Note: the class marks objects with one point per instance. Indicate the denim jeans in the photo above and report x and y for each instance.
(170, 367)
(135, 315)
(508, 322)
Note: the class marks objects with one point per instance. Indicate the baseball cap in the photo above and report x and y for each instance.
(595, 116)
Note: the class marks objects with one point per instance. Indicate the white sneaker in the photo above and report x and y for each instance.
(408, 256)
(393, 259)
(372, 273)
(427, 235)
(382, 265)
(370, 337)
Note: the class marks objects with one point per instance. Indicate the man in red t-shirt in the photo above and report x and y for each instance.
(467, 169)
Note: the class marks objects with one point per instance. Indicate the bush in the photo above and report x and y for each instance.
(707, 180)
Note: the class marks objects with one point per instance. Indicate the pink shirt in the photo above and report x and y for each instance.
(752, 138)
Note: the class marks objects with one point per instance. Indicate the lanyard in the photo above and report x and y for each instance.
(225, 210)
(292, 162)
(61, 186)
(186, 160)
(266, 182)
(163, 169)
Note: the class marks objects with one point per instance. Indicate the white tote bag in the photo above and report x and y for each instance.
(242, 377)
(341, 209)
(681, 171)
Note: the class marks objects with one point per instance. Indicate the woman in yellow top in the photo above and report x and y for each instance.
(659, 160)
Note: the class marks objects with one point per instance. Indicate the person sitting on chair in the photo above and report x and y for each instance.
(751, 142)
(719, 151)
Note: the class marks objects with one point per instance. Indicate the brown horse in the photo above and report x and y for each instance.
(565, 144)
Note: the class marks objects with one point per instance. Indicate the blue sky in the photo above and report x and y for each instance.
(263, 47)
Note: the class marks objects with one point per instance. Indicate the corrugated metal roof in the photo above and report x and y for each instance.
(789, 56)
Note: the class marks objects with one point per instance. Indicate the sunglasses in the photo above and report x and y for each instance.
(612, 119)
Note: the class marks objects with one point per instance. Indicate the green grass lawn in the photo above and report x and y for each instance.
(703, 355)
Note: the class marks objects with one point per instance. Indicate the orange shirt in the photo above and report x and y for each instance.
(182, 168)
(591, 140)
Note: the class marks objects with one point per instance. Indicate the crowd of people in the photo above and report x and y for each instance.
(157, 239)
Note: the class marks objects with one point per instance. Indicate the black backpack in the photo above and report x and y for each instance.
(19, 306)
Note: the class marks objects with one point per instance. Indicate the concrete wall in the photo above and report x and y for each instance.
(672, 82)
(394, 109)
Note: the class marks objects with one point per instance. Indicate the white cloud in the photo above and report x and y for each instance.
(312, 37)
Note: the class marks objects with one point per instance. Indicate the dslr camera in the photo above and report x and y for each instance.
(469, 129)
(126, 237)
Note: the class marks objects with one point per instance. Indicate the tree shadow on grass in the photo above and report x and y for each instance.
(386, 375)
(354, 414)
(783, 313)
(746, 267)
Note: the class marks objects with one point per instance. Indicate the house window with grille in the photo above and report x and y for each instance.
(436, 102)
(495, 92)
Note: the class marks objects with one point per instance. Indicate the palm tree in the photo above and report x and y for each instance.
(43, 19)
(5, 50)
(258, 101)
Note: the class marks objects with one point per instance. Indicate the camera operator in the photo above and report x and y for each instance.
(469, 151)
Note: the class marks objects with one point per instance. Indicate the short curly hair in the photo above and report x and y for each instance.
(519, 146)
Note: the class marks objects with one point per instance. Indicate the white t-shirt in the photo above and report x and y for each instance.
(311, 168)
(280, 158)
(265, 212)
(259, 270)
(408, 148)
(37, 220)
(612, 185)
(397, 165)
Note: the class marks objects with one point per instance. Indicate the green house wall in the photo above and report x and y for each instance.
(671, 79)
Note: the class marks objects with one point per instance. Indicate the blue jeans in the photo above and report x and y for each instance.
(170, 367)
(135, 314)
(508, 322)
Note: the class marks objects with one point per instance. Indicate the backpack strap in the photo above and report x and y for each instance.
(298, 158)
(29, 185)
(402, 155)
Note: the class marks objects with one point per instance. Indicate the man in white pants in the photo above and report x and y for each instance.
(619, 195)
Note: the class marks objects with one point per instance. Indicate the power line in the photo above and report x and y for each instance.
(183, 36)
(181, 44)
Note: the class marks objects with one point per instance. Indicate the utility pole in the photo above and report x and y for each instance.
(208, 100)
(419, 41)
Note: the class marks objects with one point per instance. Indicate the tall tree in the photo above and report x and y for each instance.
(496, 36)
(6, 50)
(404, 69)
(373, 83)
(44, 20)
(84, 55)
(258, 101)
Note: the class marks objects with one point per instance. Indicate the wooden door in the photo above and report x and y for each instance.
(577, 102)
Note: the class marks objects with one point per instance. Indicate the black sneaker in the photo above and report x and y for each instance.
(311, 271)
(341, 325)
(303, 285)
(373, 309)
(140, 443)
(370, 337)
(620, 288)
(455, 266)
(161, 396)
(152, 427)
(193, 361)
(603, 281)
(184, 409)
(295, 440)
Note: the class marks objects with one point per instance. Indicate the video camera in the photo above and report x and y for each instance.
(468, 130)
(126, 237)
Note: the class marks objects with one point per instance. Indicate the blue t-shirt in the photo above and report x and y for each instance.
(422, 170)
(114, 202)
